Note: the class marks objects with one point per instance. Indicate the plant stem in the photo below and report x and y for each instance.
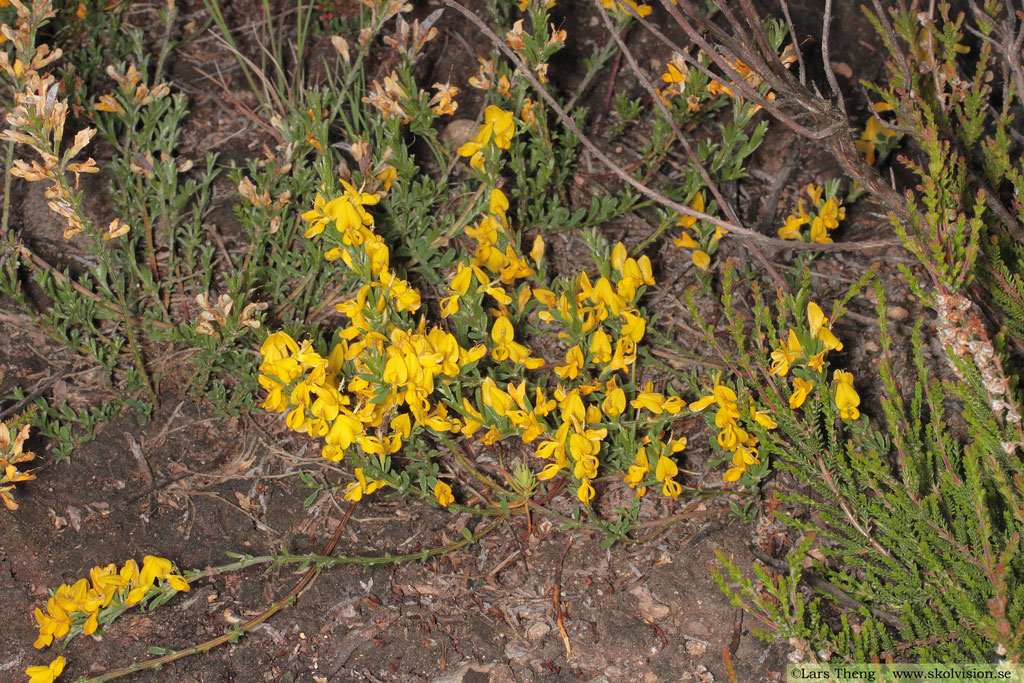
(320, 561)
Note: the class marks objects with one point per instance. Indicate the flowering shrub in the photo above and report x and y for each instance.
(389, 379)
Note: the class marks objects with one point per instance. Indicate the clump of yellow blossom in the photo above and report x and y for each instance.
(732, 437)
(12, 453)
(498, 128)
(807, 350)
(705, 242)
(624, 7)
(825, 216)
(46, 674)
(876, 134)
(388, 378)
(82, 602)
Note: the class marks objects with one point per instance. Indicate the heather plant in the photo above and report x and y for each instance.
(911, 547)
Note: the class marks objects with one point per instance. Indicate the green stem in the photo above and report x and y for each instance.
(319, 562)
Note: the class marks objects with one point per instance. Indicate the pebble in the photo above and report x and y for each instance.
(537, 631)
(897, 313)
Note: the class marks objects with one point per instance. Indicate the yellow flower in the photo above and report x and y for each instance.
(665, 471)
(818, 233)
(847, 399)
(634, 326)
(443, 493)
(701, 259)
(537, 251)
(499, 127)
(721, 394)
(585, 492)
(820, 330)
(673, 74)
(277, 346)
(742, 458)
(831, 213)
(762, 418)
(685, 241)
(362, 487)
(784, 357)
(801, 390)
(635, 272)
(45, 674)
(601, 347)
(817, 362)
(649, 399)
(54, 623)
(697, 204)
(503, 335)
(815, 318)
(573, 363)
(614, 402)
(791, 229)
(495, 397)
(875, 133)
(638, 472)
(814, 192)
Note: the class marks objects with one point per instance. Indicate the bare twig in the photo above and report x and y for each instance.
(36, 393)
(633, 182)
(841, 596)
(136, 449)
(796, 44)
(557, 595)
(830, 74)
(694, 160)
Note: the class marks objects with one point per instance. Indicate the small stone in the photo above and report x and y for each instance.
(696, 648)
(897, 313)
(696, 629)
(458, 131)
(537, 631)
(871, 346)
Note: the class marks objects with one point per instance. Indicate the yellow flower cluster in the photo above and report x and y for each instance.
(388, 378)
(81, 602)
(602, 320)
(876, 134)
(12, 453)
(495, 252)
(751, 77)
(808, 351)
(826, 216)
(706, 242)
(627, 7)
(732, 437)
(665, 471)
(46, 674)
(392, 371)
(499, 127)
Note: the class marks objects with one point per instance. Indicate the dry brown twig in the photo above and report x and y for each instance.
(805, 112)
(691, 155)
(654, 194)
